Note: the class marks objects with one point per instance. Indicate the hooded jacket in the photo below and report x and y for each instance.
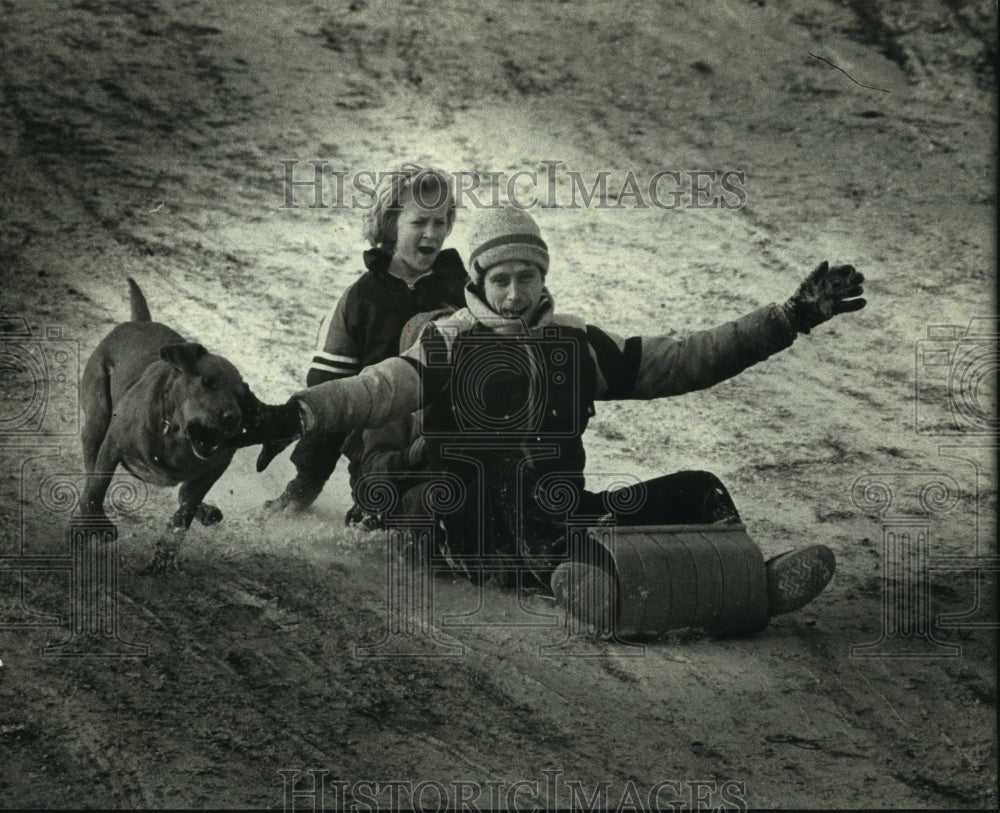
(483, 380)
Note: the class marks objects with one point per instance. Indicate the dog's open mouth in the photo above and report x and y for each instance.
(205, 440)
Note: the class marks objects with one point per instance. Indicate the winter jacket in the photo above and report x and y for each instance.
(482, 379)
(364, 326)
(397, 446)
(387, 448)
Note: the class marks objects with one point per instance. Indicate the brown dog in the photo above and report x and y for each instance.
(168, 411)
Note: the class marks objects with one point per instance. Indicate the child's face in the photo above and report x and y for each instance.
(513, 288)
(420, 233)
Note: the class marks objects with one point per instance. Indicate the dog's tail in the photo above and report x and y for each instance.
(140, 310)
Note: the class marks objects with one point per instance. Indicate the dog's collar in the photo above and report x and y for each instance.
(167, 427)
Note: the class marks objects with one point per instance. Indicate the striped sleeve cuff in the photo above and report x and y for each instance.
(336, 365)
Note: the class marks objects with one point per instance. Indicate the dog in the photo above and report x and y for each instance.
(166, 410)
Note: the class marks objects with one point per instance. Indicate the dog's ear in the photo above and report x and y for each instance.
(184, 356)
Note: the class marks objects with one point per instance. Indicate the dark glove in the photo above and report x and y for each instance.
(269, 450)
(274, 427)
(823, 294)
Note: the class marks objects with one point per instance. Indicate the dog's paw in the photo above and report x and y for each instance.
(208, 514)
(162, 566)
(166, 558)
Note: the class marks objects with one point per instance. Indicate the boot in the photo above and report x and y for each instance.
(797, 577)
(298, 495)
(589, 594)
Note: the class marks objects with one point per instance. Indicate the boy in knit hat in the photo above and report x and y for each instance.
(507, 387)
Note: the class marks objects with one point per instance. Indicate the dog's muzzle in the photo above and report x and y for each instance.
(207, 440)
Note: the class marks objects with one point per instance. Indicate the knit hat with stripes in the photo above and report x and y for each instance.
(505, 233)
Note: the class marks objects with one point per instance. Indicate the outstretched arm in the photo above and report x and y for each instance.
(379, 394)
(666, 366)
(669, 366)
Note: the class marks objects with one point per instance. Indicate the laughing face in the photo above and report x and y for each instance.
(513, 288)
(420, 232)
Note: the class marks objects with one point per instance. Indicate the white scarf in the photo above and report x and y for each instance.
(542, 314)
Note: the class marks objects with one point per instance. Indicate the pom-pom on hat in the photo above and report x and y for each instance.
(505, 233)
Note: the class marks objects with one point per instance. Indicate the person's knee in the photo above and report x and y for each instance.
(707, 496)
(702, 481)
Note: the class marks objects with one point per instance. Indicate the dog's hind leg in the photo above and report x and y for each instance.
(95, 398)
(166, 552)
(99, 475)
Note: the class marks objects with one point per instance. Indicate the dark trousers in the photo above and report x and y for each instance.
(508, 532)
(316, 455)
(687, 497)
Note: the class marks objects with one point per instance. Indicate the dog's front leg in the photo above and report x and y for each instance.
(191, 496)
(166, 556)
